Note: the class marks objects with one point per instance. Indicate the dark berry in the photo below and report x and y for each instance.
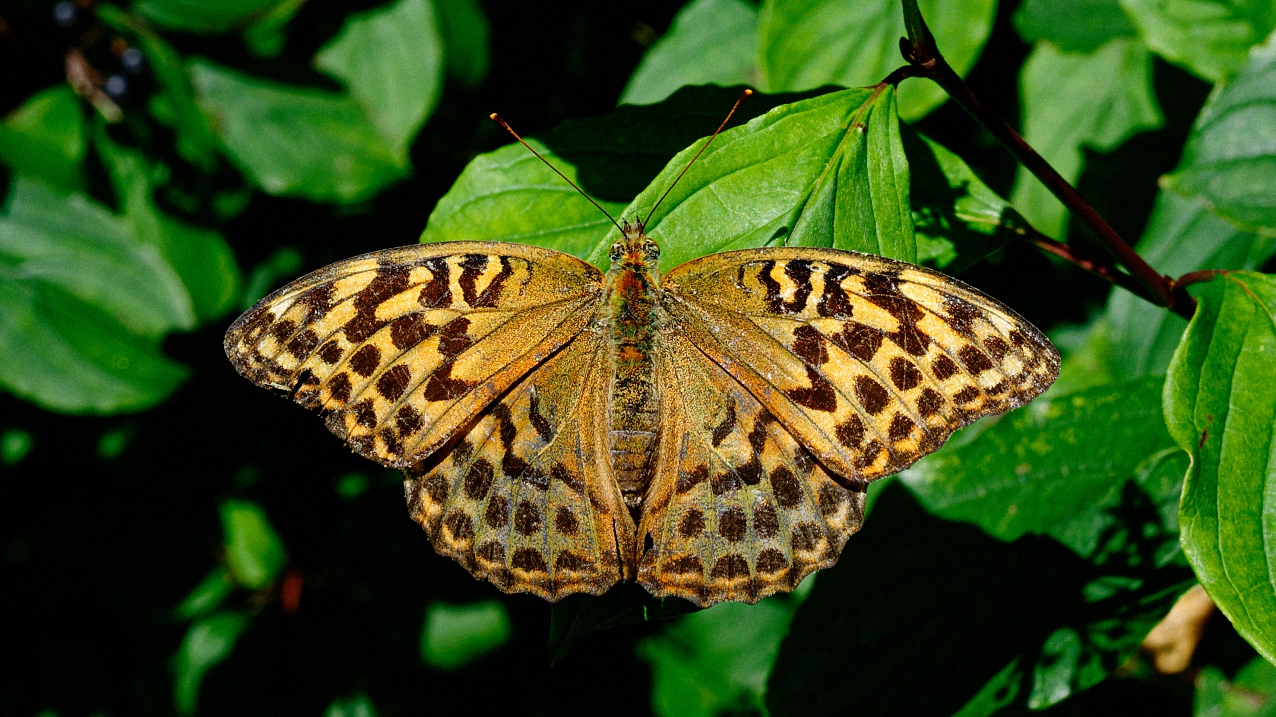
(65, 13)
(115, 86)
(133, 61)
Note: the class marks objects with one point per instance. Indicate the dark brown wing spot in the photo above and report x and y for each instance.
(873, 396)
(732, 524)
(772, 561)
(410, 330)
(834, 301)
(751, 471)
(388, 282)
(832, 498)
(284, 329)
(904, 374)
(366, 360)
(570, 562)
(724, 483)
(730, 566)
(765, 520)
(478, 481)
(527, 518)
(722, 430)
(900, 428)
(498, 512)
(808, 344)
(850, 433)
(943, 367)
(806, 536)
(929, 402)
(969, 394)
(565, 521)
(303, 343)
(330, 353)
(1018, 338)
(318, 302)
(560, 473)
(691, 525)
(758, 435)
(459, 525)
(394, 382)
(364, 414)
(530, 560)
(492, 552)
(820, 396)
(409, 421)
(453, 338)
(975, 360)
(858, 340)
(684, 565)
(437, 292)
(788, 493)
(996, 348)
(870, 454)
(442, 387)
(539, 422)
(436, 486)
(687, 481)
(961, 316)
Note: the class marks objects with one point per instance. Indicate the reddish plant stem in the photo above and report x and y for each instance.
(924, 58)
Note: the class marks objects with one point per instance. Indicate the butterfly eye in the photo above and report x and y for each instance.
(651, 251)
(617, 252)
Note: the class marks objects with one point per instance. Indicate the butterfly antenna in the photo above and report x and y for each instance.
(497, 118)
(736, 106)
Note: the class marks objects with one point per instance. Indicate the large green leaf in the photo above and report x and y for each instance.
(254, 552)
(1073, 25)
(1074, 100)
(826, 171)
(201, 15)
(1208, 37)
(912, 590)
(957, 219)
(391, 62)
(295, 140)
(455, 635)
(710, 41)
(1182, 236)
(1251, 693)
(1229, 163)
(808, 43)
(1221, 407)
(1055, 468)
(45, 138)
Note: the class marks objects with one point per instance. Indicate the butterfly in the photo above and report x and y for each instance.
(709, 432)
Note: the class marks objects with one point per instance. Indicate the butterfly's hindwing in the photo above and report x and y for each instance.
(526, 498)
(871, 363)
(737, 508)
(401, 348)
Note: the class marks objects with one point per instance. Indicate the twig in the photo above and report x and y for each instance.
(923, 55)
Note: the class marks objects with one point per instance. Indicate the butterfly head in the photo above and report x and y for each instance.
(634, 246)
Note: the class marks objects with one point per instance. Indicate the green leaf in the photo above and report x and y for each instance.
(268, 33)
(957, 219)
(456, 635)
(465, 39)
(197, 143)
(808, 43)
(1075, 100)
(295, 140)
(1073, 25)
(357, 706)
(1220, 407)
(1251, 694)
(200, 15)
(717, 660)
(391, 62)
(15, 444)
(880, 629)
(710, 41)
(207, 642)
(773, 180)
(44, 138)
(576, 616)
(1208, 37)
(207, 596)
(283, 264)
(1181, 236)
(1229, 163)
(254, 552)
(1055, 468)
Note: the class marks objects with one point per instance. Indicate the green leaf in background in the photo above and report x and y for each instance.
(1055, 468)
(717, 660)
(254, 552)
(576, 616)
(465, 40)
(391, 61)
(1181, 236)
(709, 41)
(207, 642)
(207, 596)
(268, 33)
(45, 138)
(957, 219)
(200, 15)
(1073, 25)
(15, 444)
(283, 264)
(1229, 163)
(357, 706)
(456, 635)
(1208, 37)
(174, 104)
(295, 140)
(1252, 693)
(889, 630)
(1220, 406)
(1073, 100)
(808, 43)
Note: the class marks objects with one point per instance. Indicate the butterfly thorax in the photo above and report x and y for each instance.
(633, 314)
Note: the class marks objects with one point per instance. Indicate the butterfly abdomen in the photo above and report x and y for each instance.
(632, 304)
